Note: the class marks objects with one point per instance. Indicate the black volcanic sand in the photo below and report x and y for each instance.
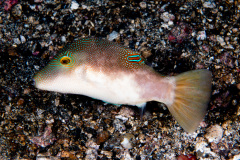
(174, 37)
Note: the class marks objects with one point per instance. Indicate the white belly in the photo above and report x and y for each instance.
(116, 88)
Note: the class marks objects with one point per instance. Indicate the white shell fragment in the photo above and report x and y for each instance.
(221, 40)
(209, 5)
(16, 41)
(74, 5)
(166, 17)
(126, 144)
(23, 39)
(143, 5)
(201, 35)
(113, 35)
(63, 39)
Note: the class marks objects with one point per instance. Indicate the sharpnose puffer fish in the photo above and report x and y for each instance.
(115, 74)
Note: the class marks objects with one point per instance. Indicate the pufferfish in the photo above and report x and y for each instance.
(115, 74)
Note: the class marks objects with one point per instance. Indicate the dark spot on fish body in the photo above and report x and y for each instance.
(135, 58)
(130, 59)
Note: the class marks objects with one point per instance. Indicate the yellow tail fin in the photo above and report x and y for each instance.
(192, 94)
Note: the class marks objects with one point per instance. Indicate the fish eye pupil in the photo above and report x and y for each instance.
(65, 60)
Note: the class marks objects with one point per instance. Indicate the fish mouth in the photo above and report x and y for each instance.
(34, 80)
(38, 85)
(35, 83)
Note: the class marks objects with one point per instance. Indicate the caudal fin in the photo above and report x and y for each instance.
(192, 94)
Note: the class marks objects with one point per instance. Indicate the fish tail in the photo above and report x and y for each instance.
(192, 94)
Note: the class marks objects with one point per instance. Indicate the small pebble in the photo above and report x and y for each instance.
(74, 5)
(221, 40)
(209, 4)
(16, 41)
(187, 157)
(102, 137)
(180, 32)
(124, 119)
(20, 102)
(68, 155)
(107, 153)
(113, 35)
(166, 17)
(235, 30)
(17, 10)
(236, 157)
(202, 147)
(22, 38)
(214, 134)
(26, 90)
(12, 51)
(43, 156)
(38, 1)
(63, 39)
(146, 53)
(182, 157)
(201, 35)
(35, 53)
(143, 5)
(127, 141)
(39, 27)
(238, 86)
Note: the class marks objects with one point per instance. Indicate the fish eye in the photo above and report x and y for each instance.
(65, 60)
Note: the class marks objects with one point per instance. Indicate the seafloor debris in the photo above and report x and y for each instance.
(44, 139)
